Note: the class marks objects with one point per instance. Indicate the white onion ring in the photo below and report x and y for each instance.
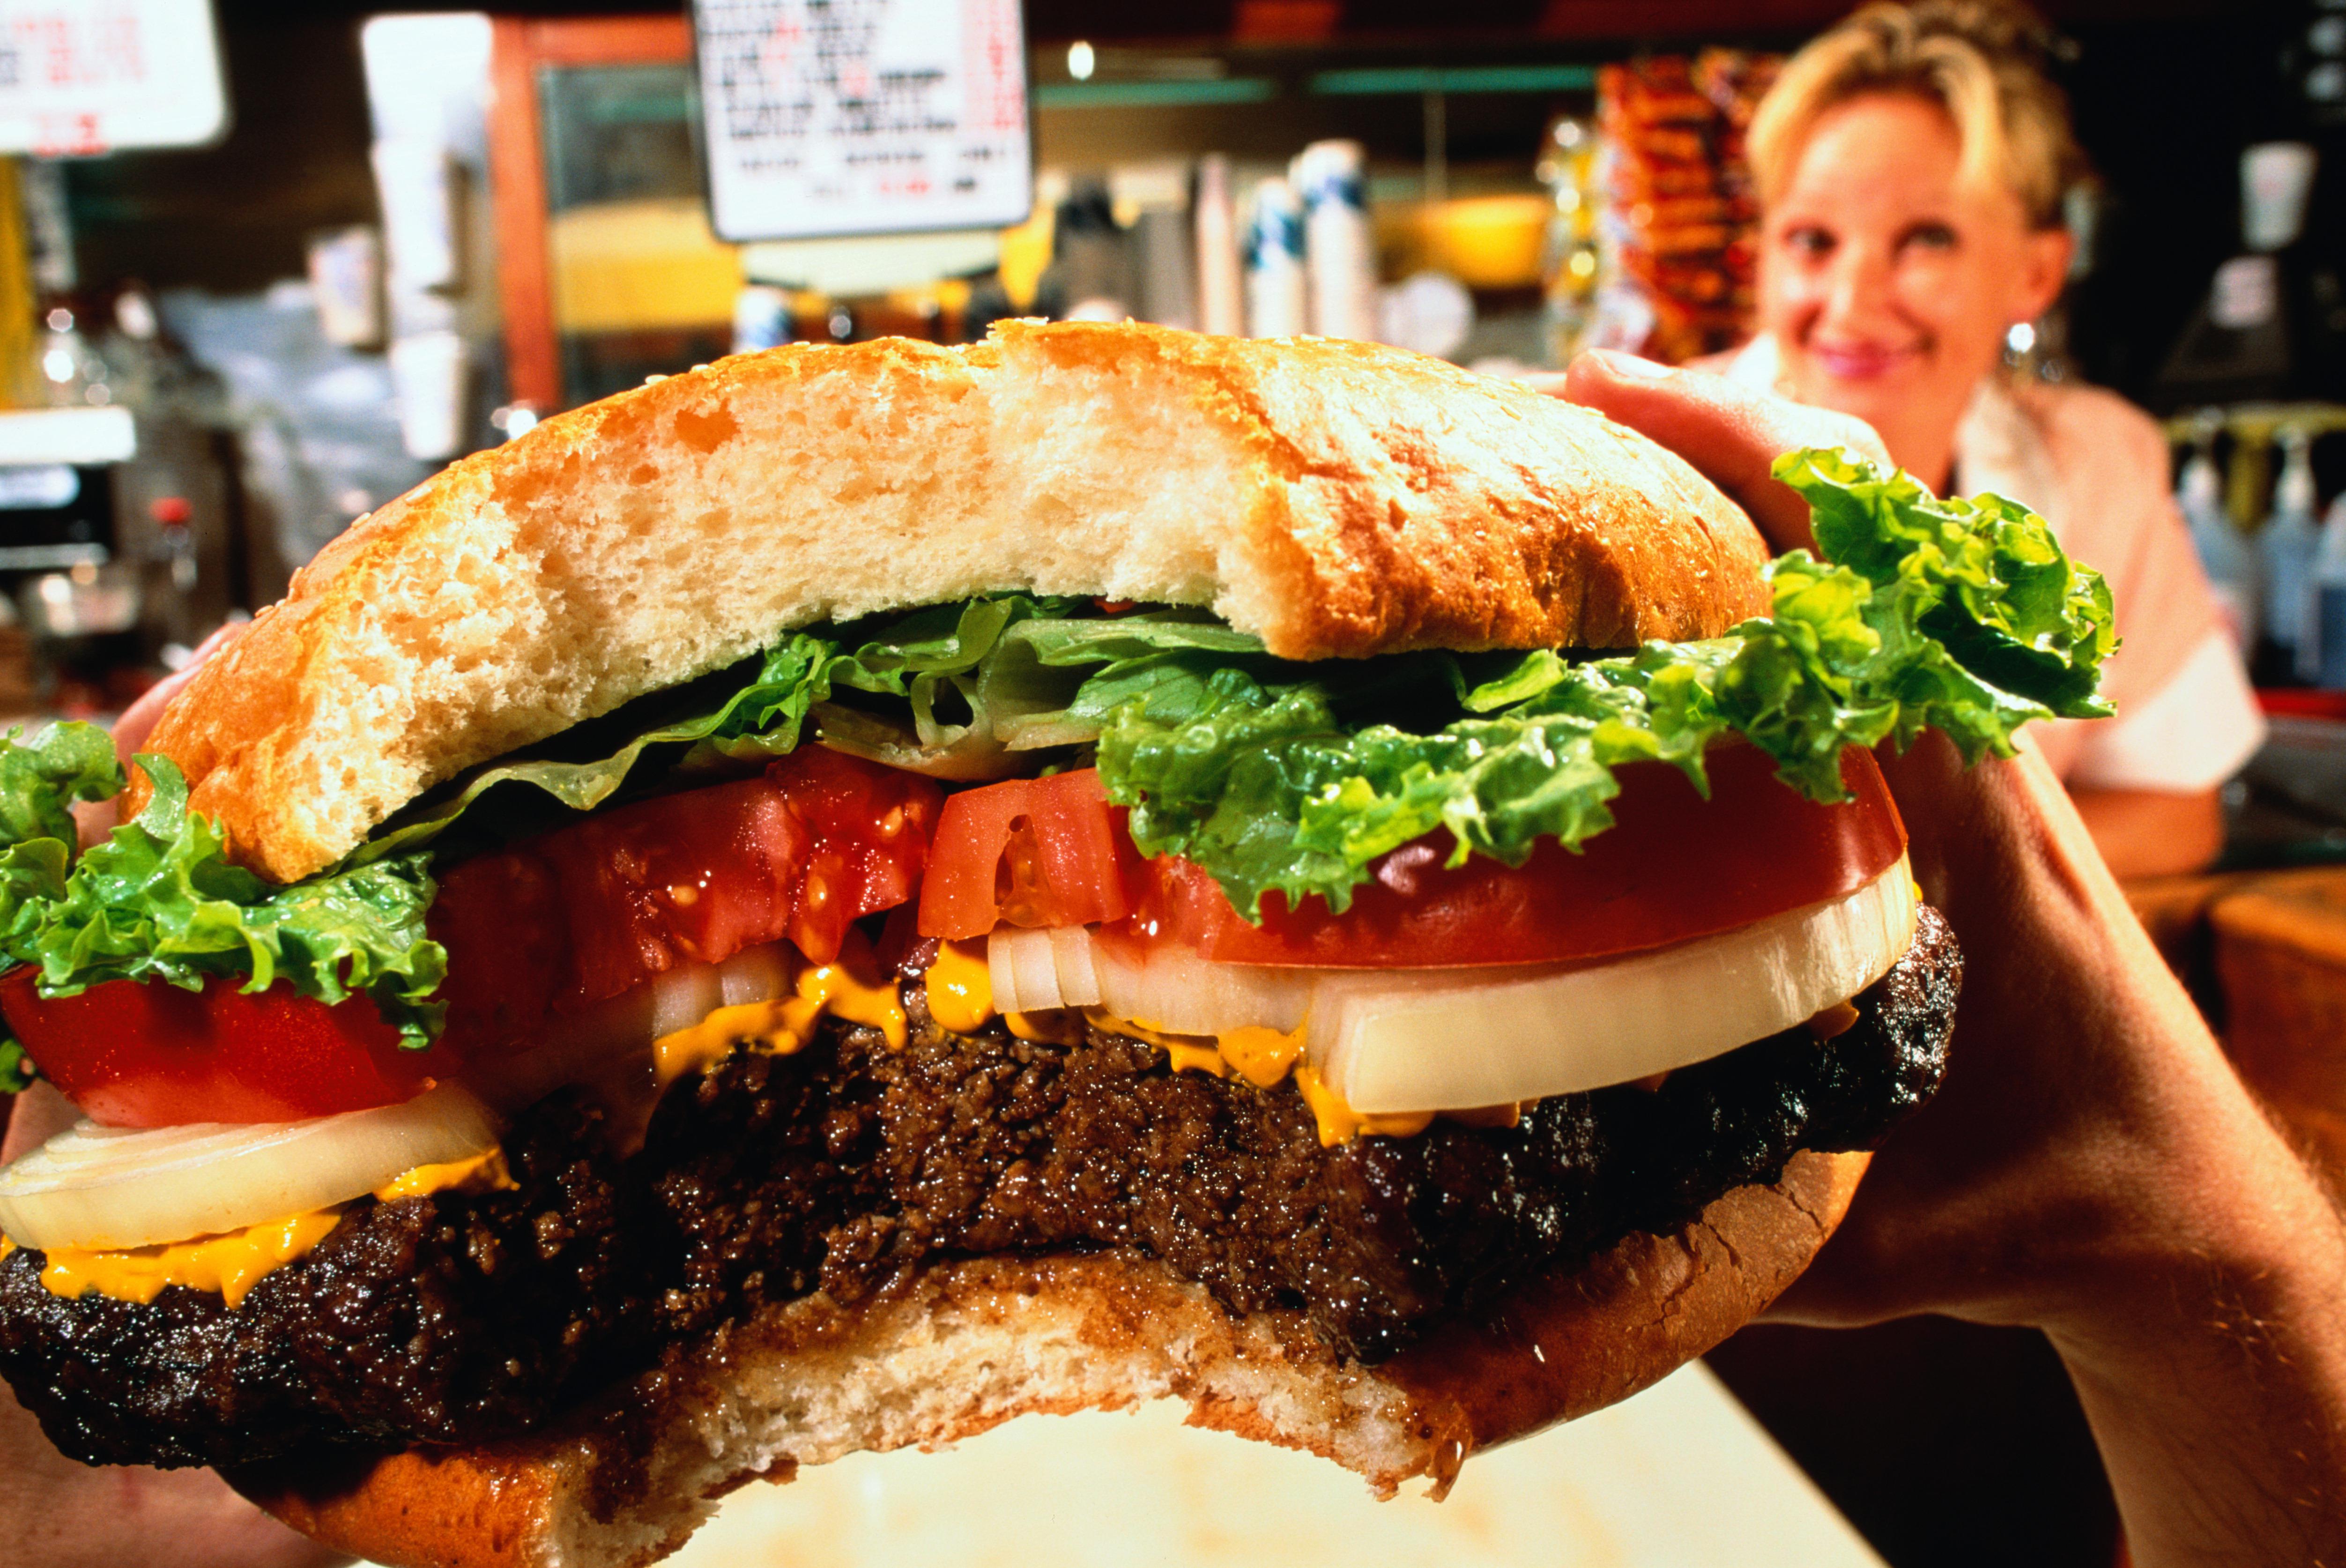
(1402, 1040)
(1394, 1042)
(108, 1188)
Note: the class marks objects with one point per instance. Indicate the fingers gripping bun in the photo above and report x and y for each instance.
(1334, 498)
(967, 1346)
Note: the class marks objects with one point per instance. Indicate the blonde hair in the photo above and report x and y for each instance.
(1983, 61)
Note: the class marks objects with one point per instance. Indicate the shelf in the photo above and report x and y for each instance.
(1455, 80)
(51, 557)
(2259, 422)
(1154, 95)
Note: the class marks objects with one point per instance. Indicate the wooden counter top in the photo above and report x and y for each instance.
(2264, 953)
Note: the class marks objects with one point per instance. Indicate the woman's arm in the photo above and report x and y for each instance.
(2095, 1168)
(2092, 1166)
(2152, 832)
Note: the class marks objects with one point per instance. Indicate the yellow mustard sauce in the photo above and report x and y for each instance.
(1339, 1124)
(1187, 1054)
(232, 1263)
(480, 1173)
(960, 998)
(1261, 1054)
(784, 1024)
(959, 987)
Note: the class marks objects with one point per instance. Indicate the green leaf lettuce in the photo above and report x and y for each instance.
(159, 901)
(1275, 777)
(1962, 616)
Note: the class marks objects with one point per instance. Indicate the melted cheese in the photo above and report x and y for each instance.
(234, 1262)
(1056, 1026)
(1261, 1054)
(961, 999)
(1835, 1021)
(230, 1264)
(784, 1025)
(959, 987)
(481, 1173)
(1187, 1054)
(1339, 1124)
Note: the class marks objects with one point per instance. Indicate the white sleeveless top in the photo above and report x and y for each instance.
(2097, 469)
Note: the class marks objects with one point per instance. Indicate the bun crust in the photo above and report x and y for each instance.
(1335, 498)
(967, 1346)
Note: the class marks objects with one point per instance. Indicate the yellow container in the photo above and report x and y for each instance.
(1484, 241)
(635, 266)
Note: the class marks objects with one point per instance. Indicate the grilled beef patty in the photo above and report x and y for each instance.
(456, 1318)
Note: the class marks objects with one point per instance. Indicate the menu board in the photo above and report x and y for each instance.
(827, 118)
(79, 77)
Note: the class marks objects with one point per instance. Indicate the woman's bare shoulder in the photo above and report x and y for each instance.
(2088, 423)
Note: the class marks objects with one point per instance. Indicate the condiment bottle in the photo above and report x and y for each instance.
(2287, 544)
(2224, 552)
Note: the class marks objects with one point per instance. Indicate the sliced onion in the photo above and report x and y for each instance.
(1160, 987)
(1398, 1041)
(1174, 990)
(754, 974)
(1071, 965)
(1448, 1040)
(608, 1045)
(107, 1188)
(1037, 971)
(684, 996)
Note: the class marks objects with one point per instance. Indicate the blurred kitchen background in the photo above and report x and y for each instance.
(408, 236)
(264, 266)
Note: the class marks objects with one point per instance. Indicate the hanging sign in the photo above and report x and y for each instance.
(827, 118)
(79, 77)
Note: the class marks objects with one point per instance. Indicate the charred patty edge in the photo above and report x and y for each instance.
(840, 1171)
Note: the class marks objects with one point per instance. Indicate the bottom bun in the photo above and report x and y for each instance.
(964, 1346)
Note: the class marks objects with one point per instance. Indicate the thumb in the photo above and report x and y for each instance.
(1731, 433)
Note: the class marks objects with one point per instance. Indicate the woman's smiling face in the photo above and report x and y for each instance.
(1890, 282)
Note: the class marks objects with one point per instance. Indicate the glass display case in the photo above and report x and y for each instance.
(609, 270)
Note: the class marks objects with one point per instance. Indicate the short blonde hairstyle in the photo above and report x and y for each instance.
(1980, 60)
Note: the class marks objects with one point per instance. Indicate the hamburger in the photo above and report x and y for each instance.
(836, 900)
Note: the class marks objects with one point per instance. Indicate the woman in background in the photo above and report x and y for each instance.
(1910, 165)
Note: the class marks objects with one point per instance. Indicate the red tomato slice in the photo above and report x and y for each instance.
(1672, 867)
(139, 1056)
(1031, 852)
(587, 912)
(560, 922)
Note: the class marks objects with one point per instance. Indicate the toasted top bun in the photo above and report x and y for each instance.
(970, 1345)
(1334, 498)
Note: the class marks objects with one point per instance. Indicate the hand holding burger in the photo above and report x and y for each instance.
(829, 902)
(2092, 1166)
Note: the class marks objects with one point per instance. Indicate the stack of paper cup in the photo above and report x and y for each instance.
(1275, 290)
(1331, 176)
(1221, 293)
(761, 318)
(428, 376)
(2276, 177)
